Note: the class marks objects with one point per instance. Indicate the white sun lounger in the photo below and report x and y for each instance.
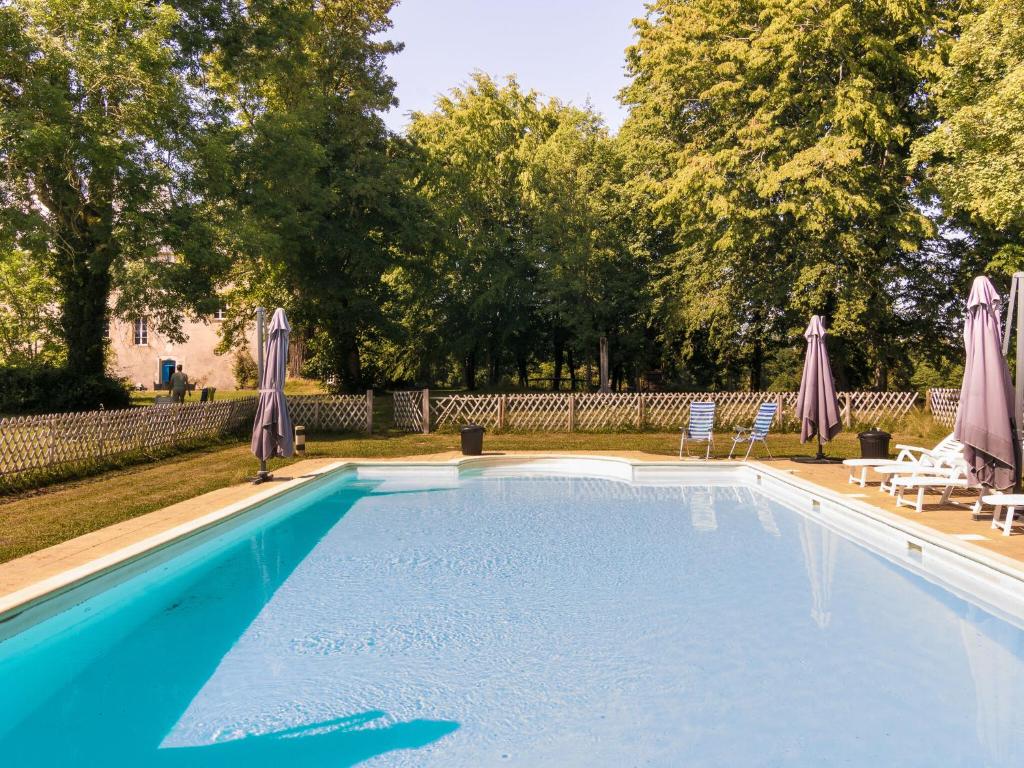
(939, 465)
(910, 457)
(952, 478)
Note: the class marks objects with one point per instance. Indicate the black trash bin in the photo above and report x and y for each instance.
(874, 444)
(472, 440)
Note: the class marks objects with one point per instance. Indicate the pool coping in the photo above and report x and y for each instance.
(1000, 572)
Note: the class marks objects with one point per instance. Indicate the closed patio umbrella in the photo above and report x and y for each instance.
(272, 429)
(817, 406)
(984, 420)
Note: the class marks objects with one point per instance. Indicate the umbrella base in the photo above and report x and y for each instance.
(261, 477)
(815, 460)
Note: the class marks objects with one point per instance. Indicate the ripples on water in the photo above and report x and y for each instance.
(532, 622)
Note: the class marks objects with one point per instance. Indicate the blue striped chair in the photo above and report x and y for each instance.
(700, 429)
(759, 431)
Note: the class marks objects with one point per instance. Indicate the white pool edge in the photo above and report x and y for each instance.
(994, 580)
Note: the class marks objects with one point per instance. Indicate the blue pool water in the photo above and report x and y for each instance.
(518, 621)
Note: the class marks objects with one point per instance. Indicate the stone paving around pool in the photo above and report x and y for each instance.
(40, 570)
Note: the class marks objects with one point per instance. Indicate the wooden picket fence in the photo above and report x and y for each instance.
(410, 408)
(595, 411)
(943, 404)
(333, 413)
(77, 442)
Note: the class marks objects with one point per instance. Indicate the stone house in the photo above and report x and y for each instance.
(147, 359)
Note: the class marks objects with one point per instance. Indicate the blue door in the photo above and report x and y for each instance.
(166, 369)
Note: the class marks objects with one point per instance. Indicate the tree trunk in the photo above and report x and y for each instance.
(84, 316)
(82, 267)
(523, 369)
(756, 366)
(347, 364)
(572, 370)
(556, 382)
(494, 370)
(469, 370)
(882, 377)
(616, 377)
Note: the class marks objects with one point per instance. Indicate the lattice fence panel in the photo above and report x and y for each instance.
(408, 413)
(665, 410)
(330, 413)
(610, 410)
(671, 409)
(541, 413)
(459, 410)
(943, 404)
(737, 408)
(871, 407)
(81, 440)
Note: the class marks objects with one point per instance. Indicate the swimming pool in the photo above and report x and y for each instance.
(513, 618)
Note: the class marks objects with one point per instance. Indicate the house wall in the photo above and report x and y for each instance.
(140, 364)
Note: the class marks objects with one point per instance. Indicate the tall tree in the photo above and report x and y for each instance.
(474, 151)
(532, 246)
(773, 137)
(317, 182)
(96, 141)
(974, 159)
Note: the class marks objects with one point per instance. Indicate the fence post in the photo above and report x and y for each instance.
(103, 432)
(572, 412)
(426, 411)
(928, 400)
(369, 411)
(847, 409)
(640, 411)
(502, 410)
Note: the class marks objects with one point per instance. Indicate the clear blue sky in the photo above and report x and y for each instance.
(570, 49)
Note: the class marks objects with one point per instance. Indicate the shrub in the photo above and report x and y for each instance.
(45, 389)
(245, 370)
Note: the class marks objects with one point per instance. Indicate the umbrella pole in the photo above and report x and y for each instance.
(821, 452)
(262, 474)
(1018, 373)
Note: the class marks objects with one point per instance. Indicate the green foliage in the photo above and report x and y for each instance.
(530, 261)
(773, 138)
(46, 389)
(97, 129)
(244, 369)
(975, 157)
(318, 209)
(862, 161)
(29, 333)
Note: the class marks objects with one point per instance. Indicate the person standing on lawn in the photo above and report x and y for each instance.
(179, 383)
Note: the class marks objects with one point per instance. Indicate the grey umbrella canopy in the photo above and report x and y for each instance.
(272, 429)
(984, 420)
(817, 406)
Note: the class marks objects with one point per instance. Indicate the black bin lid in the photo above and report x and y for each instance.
(875, 433)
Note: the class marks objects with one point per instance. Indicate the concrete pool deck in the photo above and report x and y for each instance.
(28, 578)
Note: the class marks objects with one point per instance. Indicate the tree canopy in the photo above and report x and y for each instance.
(781, 158)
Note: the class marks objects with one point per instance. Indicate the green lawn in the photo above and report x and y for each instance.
(59, 512)
(291, 387)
